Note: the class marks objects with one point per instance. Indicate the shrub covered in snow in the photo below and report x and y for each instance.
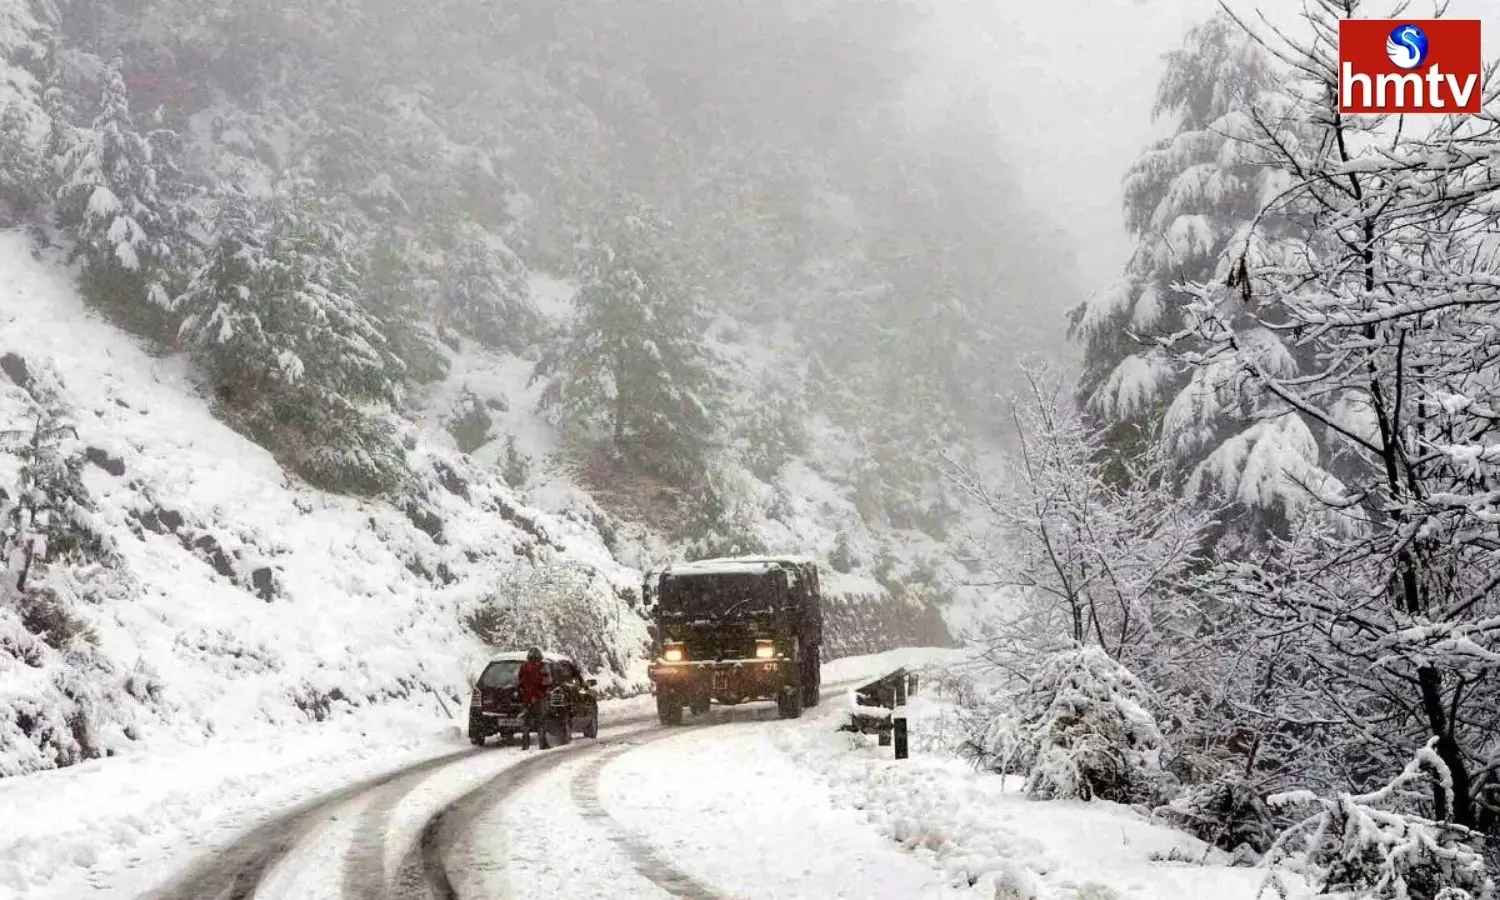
(564, 606)
(1228, 812)
(1080, 729)
(1374, 847)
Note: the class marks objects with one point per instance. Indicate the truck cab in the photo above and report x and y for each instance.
(735, 630)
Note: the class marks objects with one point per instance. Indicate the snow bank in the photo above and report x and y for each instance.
(980, 830)
(113, 828)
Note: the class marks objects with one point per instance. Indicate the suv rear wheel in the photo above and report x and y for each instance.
(559, 731)
(591, 725)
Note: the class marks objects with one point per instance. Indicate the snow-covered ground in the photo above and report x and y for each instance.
(793, 810)
(748, 806)
(726, 807)
(979, 828)
(122, 824)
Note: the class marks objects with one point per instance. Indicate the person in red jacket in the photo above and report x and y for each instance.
(534, 683)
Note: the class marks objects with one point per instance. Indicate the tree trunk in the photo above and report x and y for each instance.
(1461, 808)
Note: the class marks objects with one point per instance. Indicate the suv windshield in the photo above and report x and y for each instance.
(500, 674)
(720, 595)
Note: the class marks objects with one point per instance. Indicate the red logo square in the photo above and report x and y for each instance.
(1410, 66)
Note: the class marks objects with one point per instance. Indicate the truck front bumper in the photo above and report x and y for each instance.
(739, 678)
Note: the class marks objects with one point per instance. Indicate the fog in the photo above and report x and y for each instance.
(1074, 82)
(917, 190)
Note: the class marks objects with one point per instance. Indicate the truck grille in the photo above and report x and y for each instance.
(712, 650)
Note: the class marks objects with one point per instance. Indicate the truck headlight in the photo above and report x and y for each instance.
(673, 653)
(765, 650)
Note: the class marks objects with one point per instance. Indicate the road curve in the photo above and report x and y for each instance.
(424, 874)
(236, 871)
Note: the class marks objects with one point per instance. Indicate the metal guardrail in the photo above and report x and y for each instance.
(889, 691)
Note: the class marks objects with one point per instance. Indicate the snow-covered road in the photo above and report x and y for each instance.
(457, 823)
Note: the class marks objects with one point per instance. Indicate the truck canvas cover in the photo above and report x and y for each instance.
(722, 594)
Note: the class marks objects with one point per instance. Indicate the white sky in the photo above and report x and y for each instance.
(1075, 80)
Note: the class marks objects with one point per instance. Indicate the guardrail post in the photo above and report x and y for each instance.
(898, 726)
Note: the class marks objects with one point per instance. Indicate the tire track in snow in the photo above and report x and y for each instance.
(585, 789)
(424, 874)
(234, 872)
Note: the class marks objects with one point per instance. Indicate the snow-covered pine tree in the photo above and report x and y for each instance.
(123, 202)
(1370, 340)
(48, 520)
(274, 318)
(24, 33)
(1186, 198)
(636, 360)
(482, 287)
(398, 290)
(23, 173)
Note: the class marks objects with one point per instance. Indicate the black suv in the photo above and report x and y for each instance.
(571, 705)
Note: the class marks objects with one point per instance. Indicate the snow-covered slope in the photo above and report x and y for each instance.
(244, 599)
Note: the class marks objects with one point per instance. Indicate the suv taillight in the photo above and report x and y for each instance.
(477, 695)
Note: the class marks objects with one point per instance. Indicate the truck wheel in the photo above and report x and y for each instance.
(789, 702)
(668, 710)
(811, 680)
(700, 705)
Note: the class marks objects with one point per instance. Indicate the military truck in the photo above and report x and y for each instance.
(735, 630)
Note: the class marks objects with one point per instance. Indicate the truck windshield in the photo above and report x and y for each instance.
(720, 595)
(500, 674)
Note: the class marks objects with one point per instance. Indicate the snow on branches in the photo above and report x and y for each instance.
(124, 202)
(1359, 320)
(1373, 847)
(1096, 559)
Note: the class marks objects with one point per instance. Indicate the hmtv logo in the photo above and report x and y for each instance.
(1410, 66)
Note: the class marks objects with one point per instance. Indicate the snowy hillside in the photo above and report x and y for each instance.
(242, 599)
